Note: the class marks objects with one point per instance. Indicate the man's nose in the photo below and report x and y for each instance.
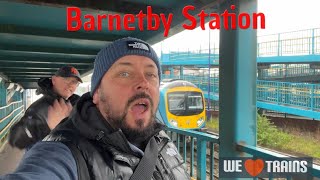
(142, 83)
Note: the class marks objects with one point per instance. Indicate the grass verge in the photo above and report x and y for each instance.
(269, 136)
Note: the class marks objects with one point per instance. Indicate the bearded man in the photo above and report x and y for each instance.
(112, 132)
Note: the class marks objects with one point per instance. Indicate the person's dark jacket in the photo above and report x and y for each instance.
(33, 127)
(104, 153)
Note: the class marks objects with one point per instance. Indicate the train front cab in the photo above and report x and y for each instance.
(181, 105)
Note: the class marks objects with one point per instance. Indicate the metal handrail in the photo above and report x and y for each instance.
(10, 104)
(276, 45)
(264, 153)
(203, 139)
(6, 128)
(281, 93)
(1, 120)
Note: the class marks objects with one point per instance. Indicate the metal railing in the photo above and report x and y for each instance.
(202, 140)
(204, 143)
(5, 110)
(9, 114)
(300, 95)
(258, 152)
(303, 42)
(284, 72)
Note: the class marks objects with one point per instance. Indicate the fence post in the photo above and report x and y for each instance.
(211, 161)
(184, 149)
(201, 159)
(278, 44)
(312, 43)
(312, 97)
(278, 93)
(192, 156)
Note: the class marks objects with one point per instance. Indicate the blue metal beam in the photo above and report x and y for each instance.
(290, 110)
(237, 88)
(46, 41)
(44, 56)
(289, 59)
(3, 93)
(46, 17)
(280, 108)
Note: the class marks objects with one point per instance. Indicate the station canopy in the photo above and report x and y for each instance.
(35, 42)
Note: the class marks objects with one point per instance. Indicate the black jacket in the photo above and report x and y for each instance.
(33, 127)
(102, 152)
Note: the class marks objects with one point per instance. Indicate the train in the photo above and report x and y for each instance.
(181, 105)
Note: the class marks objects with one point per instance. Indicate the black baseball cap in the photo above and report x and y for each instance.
(68, 71)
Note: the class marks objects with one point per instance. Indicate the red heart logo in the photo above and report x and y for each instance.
(254, 167)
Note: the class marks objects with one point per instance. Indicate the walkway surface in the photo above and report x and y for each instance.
(9, 159)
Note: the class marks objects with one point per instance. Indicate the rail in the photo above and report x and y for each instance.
(303, 42)
(204, 142)
(301, 95)
(297, 71)
(263, 153)
(8, 116)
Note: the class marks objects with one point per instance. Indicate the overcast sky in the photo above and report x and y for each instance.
(281, 16)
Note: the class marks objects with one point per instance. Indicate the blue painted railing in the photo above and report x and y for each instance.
(204, 141)
(9, 114)
(265, 154)
(285, 72)
(300, 95)
(290, 47)
(303, 42)
(190, 58)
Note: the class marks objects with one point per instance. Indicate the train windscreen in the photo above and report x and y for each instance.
(185, 103)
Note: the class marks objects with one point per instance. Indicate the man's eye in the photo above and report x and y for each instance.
(124, 74)
(151, 75)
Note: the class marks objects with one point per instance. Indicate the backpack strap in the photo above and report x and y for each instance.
(82, 168)
(147, 164)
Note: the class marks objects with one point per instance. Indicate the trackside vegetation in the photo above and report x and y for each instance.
(269, 136)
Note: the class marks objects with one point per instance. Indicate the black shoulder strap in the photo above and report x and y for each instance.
(83, 173)
(147, 164)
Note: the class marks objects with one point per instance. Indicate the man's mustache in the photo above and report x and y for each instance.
(139, 96)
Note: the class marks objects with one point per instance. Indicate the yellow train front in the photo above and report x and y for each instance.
(181, 105)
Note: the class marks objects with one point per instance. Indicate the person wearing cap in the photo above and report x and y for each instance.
(112, 132)
(35, 124)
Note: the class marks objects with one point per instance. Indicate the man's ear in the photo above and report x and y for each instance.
(95, 97)
(54, 79)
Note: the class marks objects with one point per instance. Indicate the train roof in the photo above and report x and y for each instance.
(170, 83)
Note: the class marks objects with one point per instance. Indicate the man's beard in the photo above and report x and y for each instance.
(138, 135)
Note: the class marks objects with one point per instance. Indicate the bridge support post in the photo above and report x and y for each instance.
(3, 94)
(171, 71)
(237, 89)
(181, 71)
(260, 74)
(201, 159)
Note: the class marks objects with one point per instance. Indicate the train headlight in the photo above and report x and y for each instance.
(200, 121)
(174, 122)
